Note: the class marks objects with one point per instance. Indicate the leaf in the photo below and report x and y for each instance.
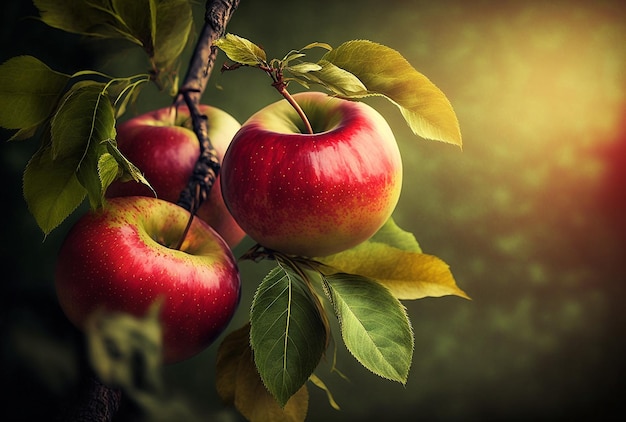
(292, 56)
(238, 383)
(83, 117)
(161, 28)
(304, 67)
(138, 17)
(407, 274)
(384, 71)
(241, 50)
(128, 170)
(374, 324)
(391, 234)
(117, 341)
(335, 79)
(51, 189)
(25, 133)
(323, 45)
(79, 129)
(92, 17)
(174, 20)
(29, 91)
(89, 174)
(108, 170)
(320, 384)
(287, 333)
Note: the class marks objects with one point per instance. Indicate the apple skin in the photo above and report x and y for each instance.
(162, 145)
(121, 259)
(312, 194)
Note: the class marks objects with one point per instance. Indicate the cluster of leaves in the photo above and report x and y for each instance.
(75, 115)
(160, 27)
(277, 352)
(357, 69)
(289, 331)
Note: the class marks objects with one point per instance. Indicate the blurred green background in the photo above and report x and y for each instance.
(530, 215)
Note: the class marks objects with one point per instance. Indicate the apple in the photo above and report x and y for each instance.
(312, 194)
(122, 258)
(163, 146)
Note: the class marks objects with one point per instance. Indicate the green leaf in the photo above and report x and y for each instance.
(68, 167)
(117, 340)
(174, 20)
(335, 79)
(128, 171)
(384, 71)
(92, 17)
(407, 274)
(241, 50)
(51, 189)
(25, 133)
(138, 17)
(374, 324)
(108, 170)
(89, 176)
(83, 122)
(287, 333)
(161, 28)
(75, 124)
(391, 234)
(304, 67)
(29, 91)
(238, 383)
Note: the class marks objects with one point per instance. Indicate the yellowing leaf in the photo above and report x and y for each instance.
(239, 384)
(335, 79)
(384, 71)
(321, 385)
(408, 275)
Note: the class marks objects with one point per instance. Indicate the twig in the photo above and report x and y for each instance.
(217, 16)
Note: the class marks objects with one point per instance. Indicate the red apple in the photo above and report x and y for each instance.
(122, 259)
(163, 146)
(312, 194)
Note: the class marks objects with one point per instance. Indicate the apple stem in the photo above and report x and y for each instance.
(281, 87)
(192, 213)
(283, 91)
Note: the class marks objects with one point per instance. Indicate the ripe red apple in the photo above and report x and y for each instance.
(163, 146)
(122, 259)
(312, 194)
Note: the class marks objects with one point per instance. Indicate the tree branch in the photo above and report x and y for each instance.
(100, 403)
(96, 403)
(217, 16)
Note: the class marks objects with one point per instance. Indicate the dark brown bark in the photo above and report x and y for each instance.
(95, 402)
(217, 16)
